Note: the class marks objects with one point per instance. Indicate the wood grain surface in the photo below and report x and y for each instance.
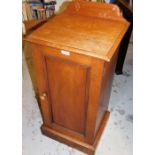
(71, 54)
(98, 29)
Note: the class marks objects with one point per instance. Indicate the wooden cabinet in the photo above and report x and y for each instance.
(75, 55)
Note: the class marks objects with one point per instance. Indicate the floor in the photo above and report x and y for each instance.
(117, 138)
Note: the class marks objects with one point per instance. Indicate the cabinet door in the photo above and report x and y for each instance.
(67, 92)
(63, 85)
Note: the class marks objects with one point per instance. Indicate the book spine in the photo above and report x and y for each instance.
(35, 14)
(43, 14)
(38, 14)
(47, 13)
(24, 12)
(28, 10)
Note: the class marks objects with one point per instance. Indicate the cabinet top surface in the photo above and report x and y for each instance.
(88, 28)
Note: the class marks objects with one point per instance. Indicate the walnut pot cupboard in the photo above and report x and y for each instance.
(74, 55)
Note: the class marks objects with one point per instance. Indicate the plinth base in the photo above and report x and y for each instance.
(80, 145)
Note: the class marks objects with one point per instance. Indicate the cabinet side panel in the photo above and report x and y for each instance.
(107, 79)
(67, 82)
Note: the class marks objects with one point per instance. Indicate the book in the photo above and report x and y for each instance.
(24, 12)
(41, 13)
(34, 7)
(28, 11)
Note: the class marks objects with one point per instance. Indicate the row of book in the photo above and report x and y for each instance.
(37, 9)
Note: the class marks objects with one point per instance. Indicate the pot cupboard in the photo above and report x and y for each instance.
(74, 55)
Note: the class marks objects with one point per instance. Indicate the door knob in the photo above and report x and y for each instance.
(43, 96)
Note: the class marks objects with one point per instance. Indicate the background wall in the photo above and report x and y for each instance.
(60, 2)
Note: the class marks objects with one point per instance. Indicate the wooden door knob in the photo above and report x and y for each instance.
(43, 96)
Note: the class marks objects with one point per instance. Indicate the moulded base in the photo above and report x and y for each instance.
(80, 145)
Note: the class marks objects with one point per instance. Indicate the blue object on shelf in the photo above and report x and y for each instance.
(112, 1)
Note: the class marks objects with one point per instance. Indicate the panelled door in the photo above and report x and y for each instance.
(63, 80)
